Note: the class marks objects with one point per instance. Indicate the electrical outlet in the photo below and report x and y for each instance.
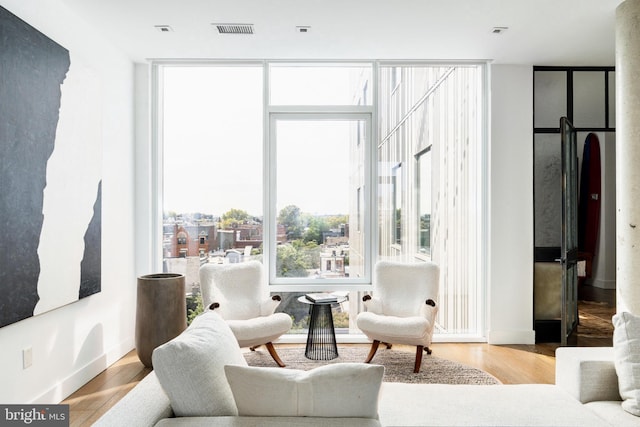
(27, 358)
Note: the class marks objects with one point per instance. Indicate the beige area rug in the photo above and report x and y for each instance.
(398, 365)
(595, 319)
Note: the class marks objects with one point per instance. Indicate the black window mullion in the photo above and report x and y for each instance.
(569, 95)
(606, 100)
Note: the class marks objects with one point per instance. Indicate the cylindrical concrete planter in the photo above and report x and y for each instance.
(161, 312)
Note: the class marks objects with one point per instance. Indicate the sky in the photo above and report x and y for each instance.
(212, 134)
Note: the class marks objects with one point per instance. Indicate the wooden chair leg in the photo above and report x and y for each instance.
(388, 345)
(272, 352)
(428, 350)
(254, 347)
(419, 350)
(372, 351)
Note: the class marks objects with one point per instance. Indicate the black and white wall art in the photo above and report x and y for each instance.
(50, 174)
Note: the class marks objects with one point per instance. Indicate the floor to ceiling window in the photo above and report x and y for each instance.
(429, 150)
(318, 170)
(211, 130)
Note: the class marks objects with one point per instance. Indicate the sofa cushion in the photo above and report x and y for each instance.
(626, 346)
(338, 390)
(190, 367)
(260, 330)
(410, 328)
(145, 404)
(612, 412)
(267, 422)
(587, 373)
(513, 405)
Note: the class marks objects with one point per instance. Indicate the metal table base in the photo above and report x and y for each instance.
(321, 341)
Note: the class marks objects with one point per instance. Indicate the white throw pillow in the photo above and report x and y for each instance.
(190, 368)
(626, 346)
(338, 390)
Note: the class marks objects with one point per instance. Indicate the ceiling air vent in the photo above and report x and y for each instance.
(234, 28)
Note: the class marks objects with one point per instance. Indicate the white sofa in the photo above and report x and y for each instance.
(588, 374)
(585, 395)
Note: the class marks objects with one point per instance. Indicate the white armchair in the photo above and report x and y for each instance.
(403, 307)
(238, 293)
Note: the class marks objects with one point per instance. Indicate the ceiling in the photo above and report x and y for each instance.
(540, 32)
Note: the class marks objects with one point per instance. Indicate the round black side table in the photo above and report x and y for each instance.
(321, 340)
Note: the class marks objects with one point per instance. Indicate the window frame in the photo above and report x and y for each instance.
(149, 158)
(421, 155)
(355, 113)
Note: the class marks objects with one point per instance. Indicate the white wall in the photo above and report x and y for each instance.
(74, 343)
(510, 158)
(146, 241)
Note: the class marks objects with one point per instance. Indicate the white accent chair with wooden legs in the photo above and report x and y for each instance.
(402, 309)
(238, 293)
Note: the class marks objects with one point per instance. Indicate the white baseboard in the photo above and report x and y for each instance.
(604, 284)
(511, 337)
(67, 386)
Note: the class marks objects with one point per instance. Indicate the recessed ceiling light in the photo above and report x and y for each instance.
(499, 30)
(163, 28)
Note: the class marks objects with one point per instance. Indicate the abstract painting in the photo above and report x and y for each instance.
(50, 174)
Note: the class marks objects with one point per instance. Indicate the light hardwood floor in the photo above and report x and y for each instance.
(511, 364)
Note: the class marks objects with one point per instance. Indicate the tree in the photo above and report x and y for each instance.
(313, 233)
(335, 221)
(233, 217)
(290, 218)
(290, 262)
(312, 254)
(195, 307)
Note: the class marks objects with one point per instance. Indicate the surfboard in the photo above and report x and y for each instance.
(589, 200)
